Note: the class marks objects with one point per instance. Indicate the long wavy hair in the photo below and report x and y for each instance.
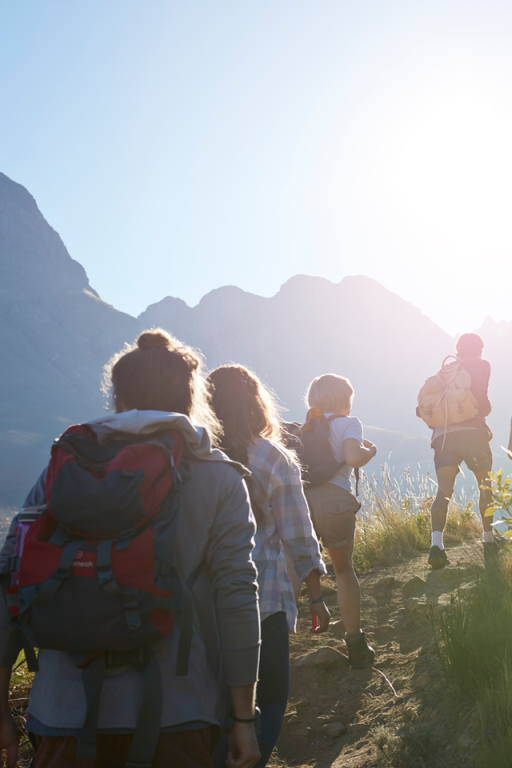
(246, 409)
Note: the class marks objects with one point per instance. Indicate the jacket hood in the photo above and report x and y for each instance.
(197, 440)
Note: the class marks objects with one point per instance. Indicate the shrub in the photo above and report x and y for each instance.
(395, 519)
(405, 748)
(477, 631)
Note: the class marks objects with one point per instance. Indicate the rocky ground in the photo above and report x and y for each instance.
(336, 716)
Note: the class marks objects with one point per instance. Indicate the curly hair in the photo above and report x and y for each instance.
(159, 373)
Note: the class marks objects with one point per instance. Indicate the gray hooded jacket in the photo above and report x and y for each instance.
(215, 529)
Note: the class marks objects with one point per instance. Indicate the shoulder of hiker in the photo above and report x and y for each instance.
(37, 494)
(265, 453)
(266, 456)
(214, 479)
(349, 426)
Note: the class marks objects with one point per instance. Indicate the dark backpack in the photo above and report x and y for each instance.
(93, 575)
(311, 443)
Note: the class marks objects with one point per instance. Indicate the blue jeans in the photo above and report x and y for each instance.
(272, 689)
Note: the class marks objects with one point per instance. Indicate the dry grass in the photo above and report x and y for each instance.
(21, 682)
(476, 653)
(395, 519)
(495, 716)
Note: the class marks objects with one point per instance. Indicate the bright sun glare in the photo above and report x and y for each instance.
(444, 170)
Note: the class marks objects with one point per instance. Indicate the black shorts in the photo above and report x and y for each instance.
(469, 445)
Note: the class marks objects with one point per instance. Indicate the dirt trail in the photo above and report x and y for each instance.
(328, 698)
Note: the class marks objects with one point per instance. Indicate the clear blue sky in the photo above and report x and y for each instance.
(181, 146)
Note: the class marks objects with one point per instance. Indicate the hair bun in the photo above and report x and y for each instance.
(154, 338)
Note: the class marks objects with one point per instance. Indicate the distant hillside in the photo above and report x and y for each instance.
(56, 334)
(356, 328)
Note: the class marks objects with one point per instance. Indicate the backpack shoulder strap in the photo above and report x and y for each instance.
(447, 358)
(343, 463)
(356, 475)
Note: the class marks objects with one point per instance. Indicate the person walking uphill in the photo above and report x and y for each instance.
(252, 436)
(333, 505)
(154, 588)
(454, 403)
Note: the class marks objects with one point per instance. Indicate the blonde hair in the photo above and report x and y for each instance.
(330, 393)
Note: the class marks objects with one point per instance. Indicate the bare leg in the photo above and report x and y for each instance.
(484, 498)
(446, 477)
(349, 593)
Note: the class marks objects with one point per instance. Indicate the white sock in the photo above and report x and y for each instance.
(488, 537)
(437, 539)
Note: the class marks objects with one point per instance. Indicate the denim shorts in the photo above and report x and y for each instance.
(468, 445)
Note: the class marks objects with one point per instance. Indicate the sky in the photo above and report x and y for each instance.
(180, 146)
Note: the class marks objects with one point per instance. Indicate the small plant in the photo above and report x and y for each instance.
(408, 747)
(19, 691)
(389, 746)
(501, 492)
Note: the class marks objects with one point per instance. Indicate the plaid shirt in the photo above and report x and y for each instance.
(286, 529)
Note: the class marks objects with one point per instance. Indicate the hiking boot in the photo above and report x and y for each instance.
(437, 558)
(360, 654)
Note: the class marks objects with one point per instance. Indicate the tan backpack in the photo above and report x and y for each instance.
(446, 398)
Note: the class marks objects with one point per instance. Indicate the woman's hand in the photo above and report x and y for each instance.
(371, 447)
(244, 751)
(320, 617)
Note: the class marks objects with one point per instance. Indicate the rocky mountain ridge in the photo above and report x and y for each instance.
(56, 334)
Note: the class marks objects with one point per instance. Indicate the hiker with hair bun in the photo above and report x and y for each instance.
(252, 436)
(454, 403)
(329, 494)
(130, 568)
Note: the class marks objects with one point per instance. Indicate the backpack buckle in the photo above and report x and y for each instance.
(135, 656)
(61, 573)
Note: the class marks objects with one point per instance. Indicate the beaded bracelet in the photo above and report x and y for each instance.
(318, 600)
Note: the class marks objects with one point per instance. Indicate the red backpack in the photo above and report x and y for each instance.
(94, 576)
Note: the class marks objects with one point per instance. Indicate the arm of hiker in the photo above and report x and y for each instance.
(358, 454)
(291, 514)
(232, 573)
(9, 734)
(318, 609)
(10, 645)
(244, 751)
(479, 386)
